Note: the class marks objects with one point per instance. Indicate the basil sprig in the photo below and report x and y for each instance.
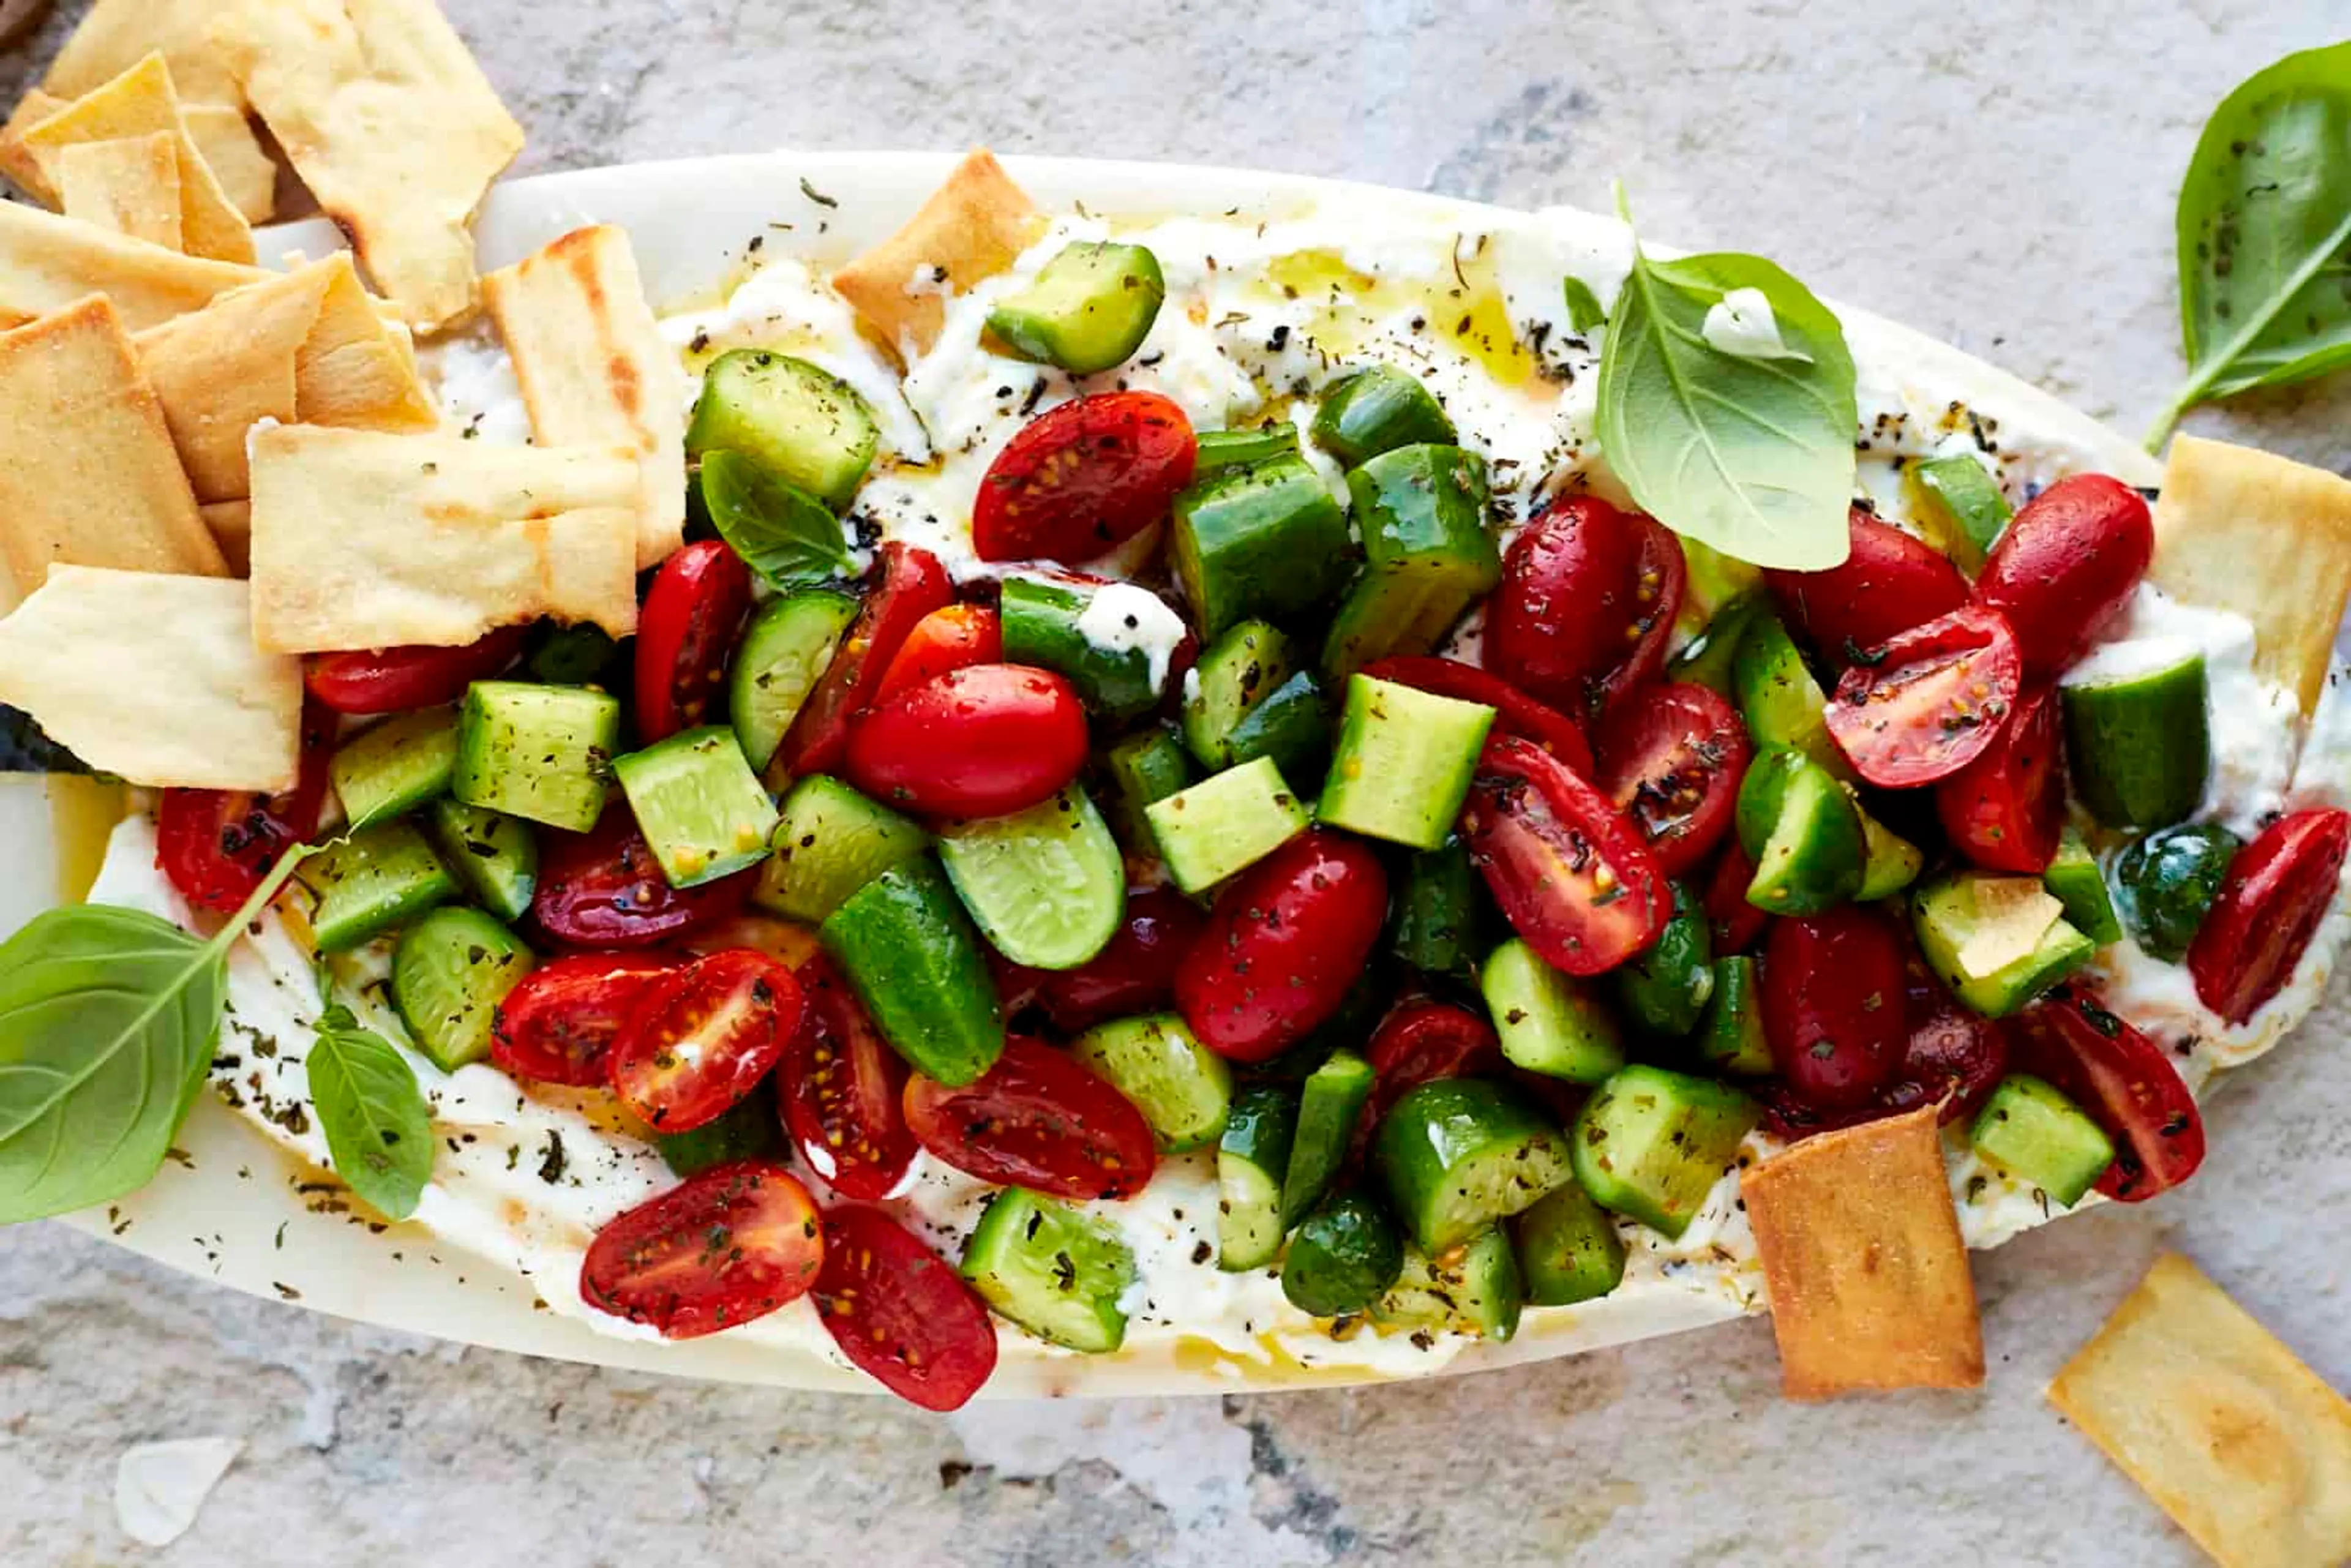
(378, 1126)
(788, 535)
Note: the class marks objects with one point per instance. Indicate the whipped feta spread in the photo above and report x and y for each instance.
(1259, 318)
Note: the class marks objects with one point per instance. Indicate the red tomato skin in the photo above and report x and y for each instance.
(1515, 712)
(1736, 923)
(559, 1025)
(2006, 809)
(1671, 760)
(216, 846)
(1135, 974)
(901, 1312)
(2278, 890)
(1929, 701)
(1568, 869)
(2066, 565)
(395, 680)
(951, 639)
(1039, 1120)
(2124, 1081)
(1419, 1042)
(1834, 1005)
(603, 889)
(843, 1090)
(714, 1252)
(1282, 945)
(977, 742)
(1953, 1057)
(913, 584)
(1888, 584)
(684, 636)
(1587, 600)
(1082, 479)
(756, 1004)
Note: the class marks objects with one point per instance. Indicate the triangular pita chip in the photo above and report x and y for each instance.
(118, 34)
(131, 185)
(231, 523)
(247, 174)
(48, 262)
(972, 227)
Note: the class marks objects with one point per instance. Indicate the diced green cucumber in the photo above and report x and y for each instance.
(1475, 1289)
(1568, 1248)
(1225, 824)
(1291, 728)
(1731, 1038)
(2165, 884)
(1182, 1089)
(1889, 863)
(1240, 669)
(449, 974)
(832, 840)
(2138, 742)
(1046, 885)
(911, 955)
(1330, 1104)
(1378, 409)
(1460, 1155)
(784, 650)
(1783, 704)
(2030, 1127)
(377, 878)
(1346, 1255)
(581, 655)
(761, 515)
(1222, 449)
(1550, 1022)
(396, 767)
(805, 424)
(1665, 988)
(702, 809)
(1800, 826)
(1265, 540)
(1058, 624)
(1959, 508)
(749, 1129)
(1404, 764)
(2077, 881)
(494, 856)
(1252, 1157)
(1144, 769)
(1427, 555)
(1997, 941)
(1439, 919)
(1709, 658)
(542, 753)
(1087, 309)
(1652, 1144)
(1052, 1270)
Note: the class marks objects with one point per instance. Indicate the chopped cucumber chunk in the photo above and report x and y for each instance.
(542, 753)
(1225, 823)
(1182, 1089)
(1146, 768)
(1440, 915)
(449, 974)
(909, 952)
(1652, 1144)
(2138, 740)
(1475, 1289)
(1051, 1269)
(1427, 555)
(1568, 1247)
(1783, 704)
(1088, 309)
(1404, 764)
(396, 767)
(1800, 826)
(1221, 449)
(1344, 1258)
(702, 809)
(377, 878)
(1549, 1022)
(2165, 884)
(831, 841)
(1378, 409)
(1731, 1038)
(785, 649)
(749, 1129)
(803, 424)
(496, 856)
(1266, 539)
(1460, 1154)
(2030, 1127)
(1997, 941)
(1240, 670)
(2077, 881)
(1330, 1104)
(1119, 666)
(1960, 508)
(1046, 885)
(1253, 1156)
(1666, 987)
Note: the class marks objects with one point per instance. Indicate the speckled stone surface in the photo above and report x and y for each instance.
(2000, 173)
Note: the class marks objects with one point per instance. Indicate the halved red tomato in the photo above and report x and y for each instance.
(685, 635)
(1570, 872)
(2124, 1081)
(395, 680)
(1735, 923)
(897, 1310)
(1834, 1005)
(216, 846)
(2065, 566)
(559, 1025)
(977, 742)
(953, 638)
(1420, 1042)
(701, 1036)
(603, 888)
(913, 584)
(1287, 939)
(2006, 809)
(1037, 1119)
(1925, 703)
(1888, 583)
(1954, 1057)
(843, 1090)
(2277, 891)
(1671, 758)
(1515, 712)
(715, 1252)
(1586, 604)
(1083, 478)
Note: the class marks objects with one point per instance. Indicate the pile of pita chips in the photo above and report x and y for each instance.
(972, 227)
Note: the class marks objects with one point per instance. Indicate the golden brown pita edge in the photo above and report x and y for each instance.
(973, 226)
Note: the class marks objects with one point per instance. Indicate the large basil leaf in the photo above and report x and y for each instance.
(788, 537)
(2264, 228)
(378, 1127)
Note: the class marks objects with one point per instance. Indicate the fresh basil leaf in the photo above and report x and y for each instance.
(1585, 311)
(1749, 454)
(2264, 228)
(378, 1127)
(788, 537)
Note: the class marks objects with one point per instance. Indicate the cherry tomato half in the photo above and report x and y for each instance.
(701, 1036)
(980, 742)
(1083, 478)
(1587, 602)
(685, 635)
(901, 1312)
(842, 1087)
(913, 584)
(1420, 1042)
(1888, 583)
(1734, 922)
(715, 1252)
(559, 1025)
(2066, 563)
(1834, 1004)
(1953, 1057)
(2124, 1081)
(217, 845)
(1931, 700)
(603, 888)
(1284, 943)
(1569, 870)
(949, 639)
(2006, 809)
(395, 680)
(1040, 1120)
(1515, 712)
(1671, 758)
(1135, 974)
(2277, 891)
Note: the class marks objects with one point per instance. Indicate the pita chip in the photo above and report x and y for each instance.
(594, 370)
(16, 159)
(972, 227)
(366, 541)
(131, 185)
(153, 676)
(231, 523)
(246, 172)
(326, 76)
(48, 262)
(118, 34)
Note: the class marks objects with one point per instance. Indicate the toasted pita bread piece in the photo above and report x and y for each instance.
(118, 34)
(131, 185)
(327, 77)
(1864, 1261)
(48, 263)
(153, 676)
(594, 370)
(2263, 536)
(88, 472)
(974, 226)
(2227, 1431)
(365, 540)
(231, 523)
(221, 132)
